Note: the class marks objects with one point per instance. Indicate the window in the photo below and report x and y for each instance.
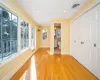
(24, 35)
(33, 37)
(58, 33)
(8, 34)
(44, 34)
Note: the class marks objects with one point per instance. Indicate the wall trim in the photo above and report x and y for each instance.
(95, 72)
(65, 53)
(51, 53)
(44, 46)
(9, 76)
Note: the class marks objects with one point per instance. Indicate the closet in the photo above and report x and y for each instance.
(85, 39)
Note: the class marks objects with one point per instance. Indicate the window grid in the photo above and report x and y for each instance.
(44, 34)
(8, 34)
(24, 35)
(33, 38)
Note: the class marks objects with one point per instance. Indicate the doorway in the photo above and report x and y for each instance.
(57, 37)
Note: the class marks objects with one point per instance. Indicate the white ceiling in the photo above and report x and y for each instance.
(43, 11)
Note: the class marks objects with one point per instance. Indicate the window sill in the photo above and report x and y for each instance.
(12, 57)
(24, 50)
(8, 59)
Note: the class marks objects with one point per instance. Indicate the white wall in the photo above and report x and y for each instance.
(85, 32)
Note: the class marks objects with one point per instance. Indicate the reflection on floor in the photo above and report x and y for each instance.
(59, 67)
(55, 67)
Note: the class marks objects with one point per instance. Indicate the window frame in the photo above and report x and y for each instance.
(22, 43)
(33, 37)
(46, 35)
(10, 24)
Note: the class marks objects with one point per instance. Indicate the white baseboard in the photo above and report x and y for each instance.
(96, 72)
(65, 53)
(45, 47)
(51, 53)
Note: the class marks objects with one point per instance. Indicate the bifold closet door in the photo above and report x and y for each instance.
(85, 37)
(85, 40)
(94, 65)
(98, 38)
(74, 39)
(80, 39)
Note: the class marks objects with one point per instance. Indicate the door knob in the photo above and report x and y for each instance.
(95, 45)
(82, 42)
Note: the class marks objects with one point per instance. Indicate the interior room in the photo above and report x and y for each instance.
(49, 39)
(57, 38)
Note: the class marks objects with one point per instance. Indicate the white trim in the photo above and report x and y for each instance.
(51, 53)
(65, 53)
(7, 60)
(12, 57)
(8, 77)
(96, 72)
(23, 50)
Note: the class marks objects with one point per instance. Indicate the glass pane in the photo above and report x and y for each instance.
(44, 34)
(14, 18)
(0, 51)
(6, 15)
(0, 14)
(0, 20)
(32, 33)
(33, 40)
(27, 32)
(21, 38)
(27, 35)
(8, 39)
(14, 31)
(24, 34)
(0, 31)
(14, 27)
(6, 19)
(6, 31)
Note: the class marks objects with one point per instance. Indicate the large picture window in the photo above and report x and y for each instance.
(8, 34)
(24, 35)
(33, 38)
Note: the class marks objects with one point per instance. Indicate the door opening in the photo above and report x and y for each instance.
(57, 38)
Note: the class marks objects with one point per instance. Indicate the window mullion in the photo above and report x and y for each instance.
(18, 36)
(1, 35)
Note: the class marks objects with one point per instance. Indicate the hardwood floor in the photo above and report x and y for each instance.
(55, 67)
(59, 67)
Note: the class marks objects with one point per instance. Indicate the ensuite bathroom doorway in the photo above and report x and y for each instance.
(57, 38)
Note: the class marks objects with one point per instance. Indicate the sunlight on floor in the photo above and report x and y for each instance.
(33, 69)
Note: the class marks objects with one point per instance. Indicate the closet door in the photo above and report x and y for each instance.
(98, 38)
(94, 65)
(85, 37)
(85, 40)
(74, 31)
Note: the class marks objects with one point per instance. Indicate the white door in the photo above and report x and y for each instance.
(98, 37)
(74, 39)
(80, 39)
(85, 36)
(85, 40)
(94, 65)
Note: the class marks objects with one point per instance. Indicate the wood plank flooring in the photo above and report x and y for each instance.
(59, 67)
(55, 67)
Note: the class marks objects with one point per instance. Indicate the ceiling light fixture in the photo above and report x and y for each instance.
(64, 11)
(37, 11)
